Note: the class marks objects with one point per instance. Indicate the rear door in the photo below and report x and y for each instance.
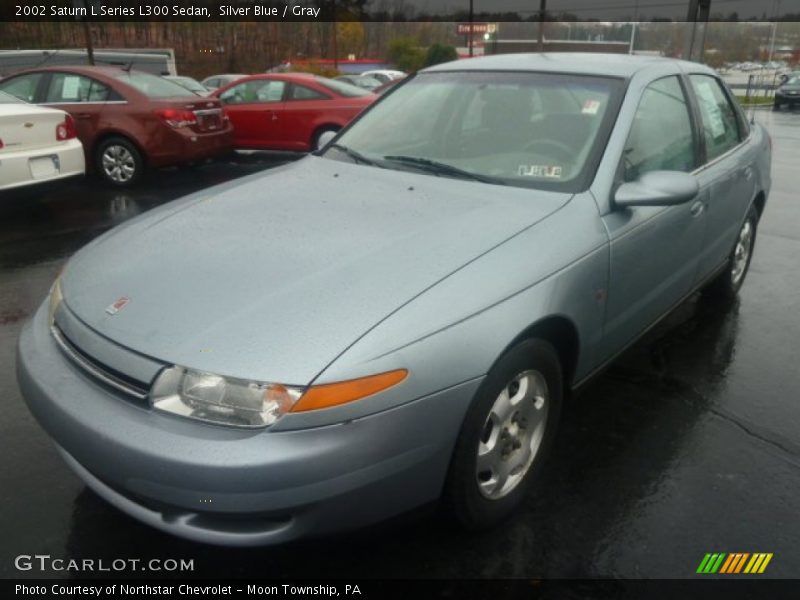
(254, 108)
(82, 97)
(726, 176)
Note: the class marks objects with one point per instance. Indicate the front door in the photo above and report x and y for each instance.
(654, 251)
(254, 108)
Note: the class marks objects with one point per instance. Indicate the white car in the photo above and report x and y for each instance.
(37, 144)
(384, 75)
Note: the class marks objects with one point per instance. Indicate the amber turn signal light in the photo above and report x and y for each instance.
(328, 395)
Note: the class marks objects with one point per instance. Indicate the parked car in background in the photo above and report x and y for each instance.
(189, 83)
(384, 75)
(386, 86)
(398, 318)
(289, 111)
(214, 82)
(788, 92)
(362, 81)
(128, 120)
(37, 144)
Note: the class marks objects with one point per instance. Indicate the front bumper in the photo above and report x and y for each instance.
(792, 100)
(238, 487)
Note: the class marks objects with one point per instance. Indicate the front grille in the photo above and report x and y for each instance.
(99, 371)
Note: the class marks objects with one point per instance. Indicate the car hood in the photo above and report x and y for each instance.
(272, 277)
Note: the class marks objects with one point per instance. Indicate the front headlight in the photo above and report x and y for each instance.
(56, 298)
(221, 400)
(241, 403)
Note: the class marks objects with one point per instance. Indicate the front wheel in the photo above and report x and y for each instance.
(730, 280)
(506, 435)
(119, 162)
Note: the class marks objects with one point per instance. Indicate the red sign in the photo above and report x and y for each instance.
(467, 28)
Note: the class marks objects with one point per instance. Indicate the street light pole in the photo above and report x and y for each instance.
(542, 14)
(471, 19)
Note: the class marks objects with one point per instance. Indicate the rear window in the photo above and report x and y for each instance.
(152, 86)
(342, 88)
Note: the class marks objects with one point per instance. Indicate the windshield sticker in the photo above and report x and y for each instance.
(590, 107)
(550, 172)
(713, 112)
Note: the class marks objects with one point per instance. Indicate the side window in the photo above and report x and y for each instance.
(22, 87)
(254, 91)
(301, 92)
(661, 137)
(68, 88)
(720, 126)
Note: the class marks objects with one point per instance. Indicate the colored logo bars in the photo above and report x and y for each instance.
(737, 562)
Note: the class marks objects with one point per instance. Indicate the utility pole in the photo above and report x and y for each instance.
(776, 7)
(542, 14)
(471, 19)
(335, 36)
(87, 31)
(698, 11)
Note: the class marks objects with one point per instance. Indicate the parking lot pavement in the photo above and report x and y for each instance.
(688, 444)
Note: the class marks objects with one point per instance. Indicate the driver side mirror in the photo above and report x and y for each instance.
(657, 188)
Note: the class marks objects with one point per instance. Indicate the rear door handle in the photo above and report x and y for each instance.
(747, 173)
(83, 116)
(697, 208)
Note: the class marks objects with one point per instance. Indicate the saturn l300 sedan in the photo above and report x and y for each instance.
(398, 318)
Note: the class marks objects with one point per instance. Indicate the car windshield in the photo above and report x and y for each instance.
(793, 80)
(342, 88)
(535, 130)
(8, 99)
(151, 85)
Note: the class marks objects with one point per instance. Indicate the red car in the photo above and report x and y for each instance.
(289, 111)
(128, 120)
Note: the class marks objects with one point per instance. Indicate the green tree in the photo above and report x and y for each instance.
(405, 54)
(440, 53)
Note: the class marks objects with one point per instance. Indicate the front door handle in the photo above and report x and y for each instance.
(697, 208)
(83, 116)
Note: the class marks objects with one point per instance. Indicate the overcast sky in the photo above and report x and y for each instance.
(613, 9)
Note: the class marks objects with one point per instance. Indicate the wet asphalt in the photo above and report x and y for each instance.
(688, 444)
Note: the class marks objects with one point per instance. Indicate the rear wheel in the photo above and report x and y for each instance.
(119, 162)
(506, 435)
(730, 280)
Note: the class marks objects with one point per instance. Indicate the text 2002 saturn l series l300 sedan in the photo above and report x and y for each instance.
(395, 319)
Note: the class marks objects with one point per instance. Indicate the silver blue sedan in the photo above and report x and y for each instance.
(398, 318)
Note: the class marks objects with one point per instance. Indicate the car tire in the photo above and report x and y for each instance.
(776, 106)
(318, 134)
(728, 283)
(119, 162)
(512, 438)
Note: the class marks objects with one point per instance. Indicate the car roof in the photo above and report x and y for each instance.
(80, 69)
(585, 63)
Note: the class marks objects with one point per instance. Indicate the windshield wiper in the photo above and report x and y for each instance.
(439, 168)
(355, 155)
